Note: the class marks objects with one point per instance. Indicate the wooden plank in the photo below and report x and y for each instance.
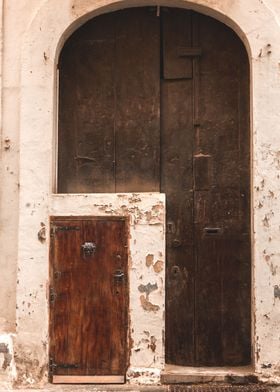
(202, 171)
(177, 184)
(223, 293)
(176, 36)
(189, 52)
(137, 89)
(109, 114)
(86, 157)
(88, 317)
(88, 379)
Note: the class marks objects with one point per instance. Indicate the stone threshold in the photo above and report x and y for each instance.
(173, 374)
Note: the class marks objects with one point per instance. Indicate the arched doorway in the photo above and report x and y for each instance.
(157, 100)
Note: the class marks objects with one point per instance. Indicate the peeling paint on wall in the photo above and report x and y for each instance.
(277, 292)
(6, 356)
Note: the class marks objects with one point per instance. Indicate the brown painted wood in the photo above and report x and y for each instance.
(208, 323)
(88, 304)
(137, 87)
(176, 35)
(109, 105)
(222, 199)
(177, 184)
(86, 151)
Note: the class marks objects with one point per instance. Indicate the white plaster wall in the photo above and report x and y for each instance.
(33, 31)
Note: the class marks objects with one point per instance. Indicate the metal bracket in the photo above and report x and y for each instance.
(55, 229)
(53, 366)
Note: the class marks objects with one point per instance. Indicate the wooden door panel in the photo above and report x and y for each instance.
(137, 101)
(214, 139)
(109, 105)
(223, 290)
(86, 153)
(176, 43)
(88, 304)
(177, 183)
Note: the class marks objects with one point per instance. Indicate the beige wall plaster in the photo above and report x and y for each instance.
(33, 33)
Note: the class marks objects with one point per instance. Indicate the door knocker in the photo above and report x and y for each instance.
(88, 249)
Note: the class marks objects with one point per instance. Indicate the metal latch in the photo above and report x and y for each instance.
(88, 248)
(118, 276)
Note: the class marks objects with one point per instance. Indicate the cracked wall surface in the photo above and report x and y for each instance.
(32, 34)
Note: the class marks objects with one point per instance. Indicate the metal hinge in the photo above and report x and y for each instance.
(55, 229)
(53, 366)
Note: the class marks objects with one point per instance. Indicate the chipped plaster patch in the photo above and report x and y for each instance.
(7, 364)
(149, 260)
(141, 375)
(147, 305)
(158, 266)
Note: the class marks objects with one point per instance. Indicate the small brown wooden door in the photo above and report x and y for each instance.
(158, 100)
(88, 299)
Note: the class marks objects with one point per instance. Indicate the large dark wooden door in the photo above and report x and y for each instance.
(158, 100)
(88, 300)
(205, 174)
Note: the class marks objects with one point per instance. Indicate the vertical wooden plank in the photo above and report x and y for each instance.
(65, 247)
(88, 325)
(176, 36)
(137, 88)
(223, 259)
(177, 184)
(86, 156)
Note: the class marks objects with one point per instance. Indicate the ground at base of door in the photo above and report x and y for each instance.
(157, 388)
